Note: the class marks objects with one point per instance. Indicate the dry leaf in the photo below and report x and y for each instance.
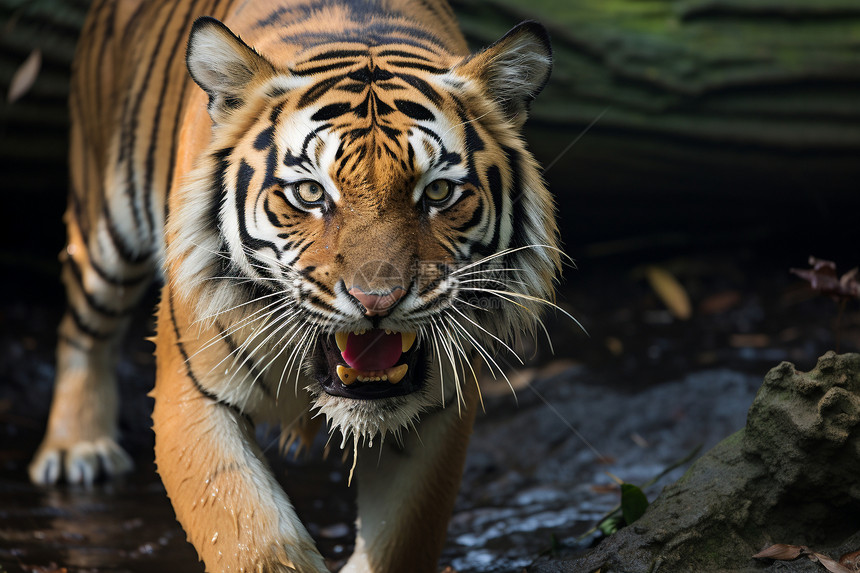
(25, 76)
(823, 279)
(51, 568)
(614, 345)
(720, 302)
(670, 291)
(782, 552)
(851, 560)
(830, 564)
(749, 340)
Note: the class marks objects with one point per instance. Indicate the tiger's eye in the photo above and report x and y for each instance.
(438, 190)
(309, 191)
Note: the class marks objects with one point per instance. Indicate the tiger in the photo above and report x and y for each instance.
(346, 222)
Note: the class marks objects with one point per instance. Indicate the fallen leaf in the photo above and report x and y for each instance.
(781, 552)
(822, 278)
(50, 568)
(749, 341)
(830, 564)
(851, 560)
(25, 76)
(720, 302)
(639, 440)
(614, 345)
(670, 291)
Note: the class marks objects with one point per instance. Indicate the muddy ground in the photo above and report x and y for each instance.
(639, 392)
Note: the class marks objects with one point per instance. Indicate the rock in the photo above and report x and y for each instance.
(790, 476)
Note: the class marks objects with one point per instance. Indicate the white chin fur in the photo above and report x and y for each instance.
(364, 420)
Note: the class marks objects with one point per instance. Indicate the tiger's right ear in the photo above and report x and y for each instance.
(223, 65)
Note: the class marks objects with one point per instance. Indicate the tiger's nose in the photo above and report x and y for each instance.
(378, 304)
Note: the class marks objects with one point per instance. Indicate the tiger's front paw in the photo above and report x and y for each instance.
(79, 463)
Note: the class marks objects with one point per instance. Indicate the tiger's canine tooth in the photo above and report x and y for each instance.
(346, 375)
(397, 373)
(407, 339)
(340, 339)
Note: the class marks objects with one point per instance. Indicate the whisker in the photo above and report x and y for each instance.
(247, 321)
(243, 346)
(492, 270)
(530, 298)
(489, 281)
(446, 344)
(538, 320)
(508, 251)
(485, 356)
(496, 338)
(439, 358)
(232, 308)
(462, 352)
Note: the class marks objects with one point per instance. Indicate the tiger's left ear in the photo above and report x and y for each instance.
(514, 69)
(223, 65)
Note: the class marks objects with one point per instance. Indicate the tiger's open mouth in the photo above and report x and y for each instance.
(369, 364)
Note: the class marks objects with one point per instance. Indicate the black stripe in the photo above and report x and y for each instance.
(320, 69)
(519, 218)
(317, 91)
(186, 360)
(323, 287)
(402, 54)
(123, 250)
(74, 343)
(494, 183)
(433, 135)
(247, 360)
(85, 328)
(417, 66)
(265, 139)
(276, 113)
(425, 88)
(88, 296)
(243, 182)
(171, 163)
(331, 111)
(476, 217)
(117, 281)
(337, 54)
(131, 128)
(154, 137)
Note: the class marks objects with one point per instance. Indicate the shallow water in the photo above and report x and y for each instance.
(642, 391)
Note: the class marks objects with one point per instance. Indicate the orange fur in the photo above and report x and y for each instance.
(373, 103)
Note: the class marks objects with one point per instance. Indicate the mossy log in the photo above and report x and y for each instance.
(688, 114)
(673, 99)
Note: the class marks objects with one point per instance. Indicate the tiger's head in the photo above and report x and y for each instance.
(367, 218)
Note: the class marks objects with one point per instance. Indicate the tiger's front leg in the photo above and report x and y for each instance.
(406, 494)
(225, 496)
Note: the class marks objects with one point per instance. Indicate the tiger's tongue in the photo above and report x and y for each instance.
(373, 350)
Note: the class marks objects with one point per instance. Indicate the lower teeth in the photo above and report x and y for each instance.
(392, 375)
